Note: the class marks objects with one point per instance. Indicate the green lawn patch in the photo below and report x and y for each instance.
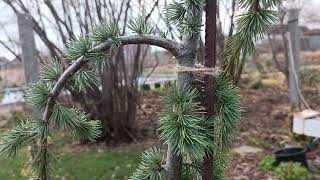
(10, 169)
(79, 166)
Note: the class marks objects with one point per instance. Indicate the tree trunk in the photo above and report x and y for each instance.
(187, 59)
(116, 104)
(174, 162)
(120, 97)
(173, 165)
(237, 76)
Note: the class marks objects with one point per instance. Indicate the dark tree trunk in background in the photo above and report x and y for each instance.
(116, 104)
(284, 41)
(210, 61)
(233, 9)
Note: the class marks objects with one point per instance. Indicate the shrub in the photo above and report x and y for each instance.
(267, 163)
(310, 75)
(292, 171)
(157, 85)
(146, 87)
(16, 116)
(256, 142)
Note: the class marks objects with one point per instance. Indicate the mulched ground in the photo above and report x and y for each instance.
(265, 125)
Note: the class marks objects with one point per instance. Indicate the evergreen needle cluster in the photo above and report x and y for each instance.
(252, 25)
(185, 15)
(184, 127)
(140, 26)
(150, 166)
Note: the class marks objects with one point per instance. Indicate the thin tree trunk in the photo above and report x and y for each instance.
(174, 162)
(286, 49)
(232, 18)
(186, 59)
(173, 165)
(237, 75)
(210, 61)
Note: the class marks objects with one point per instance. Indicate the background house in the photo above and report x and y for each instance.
(309, 39)
(11, 72)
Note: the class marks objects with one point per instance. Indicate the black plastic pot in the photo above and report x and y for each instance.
(293, 154)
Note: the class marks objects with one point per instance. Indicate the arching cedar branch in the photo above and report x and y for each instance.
(171, 46)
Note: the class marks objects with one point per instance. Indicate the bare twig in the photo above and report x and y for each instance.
(11, 51)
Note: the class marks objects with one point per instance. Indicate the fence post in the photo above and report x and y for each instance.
(30, 64)
(294, 66)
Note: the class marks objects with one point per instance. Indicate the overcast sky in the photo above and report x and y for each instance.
(310, 16)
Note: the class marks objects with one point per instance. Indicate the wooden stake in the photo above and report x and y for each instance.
(210, 62)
